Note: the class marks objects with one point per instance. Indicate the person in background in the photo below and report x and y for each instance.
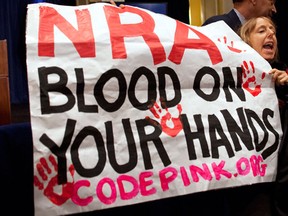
(259, 33)
(243, 10)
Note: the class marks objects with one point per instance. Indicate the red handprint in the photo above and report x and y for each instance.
(231, 46)
(249, 78)
(166, 119)
(44, 172)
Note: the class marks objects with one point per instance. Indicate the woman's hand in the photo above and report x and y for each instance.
(113, 3)
(280, 77)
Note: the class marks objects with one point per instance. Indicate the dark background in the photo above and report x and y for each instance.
(282, 29)
(176, 9)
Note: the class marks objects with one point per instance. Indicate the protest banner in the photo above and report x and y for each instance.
(129, 106)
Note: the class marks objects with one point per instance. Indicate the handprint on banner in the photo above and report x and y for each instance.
(248, 76)
(166, 119)
(45, 172)
(231, 46)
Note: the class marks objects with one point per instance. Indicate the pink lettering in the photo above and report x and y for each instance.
(144, 183)
(123, 193)
(184, 176)
(243, 166)
(205, 172)
(218, 170)
(165, 180)
(75, 197)
(257, 167)
(100, 193)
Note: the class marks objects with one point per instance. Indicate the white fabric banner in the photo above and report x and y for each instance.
(129, 106)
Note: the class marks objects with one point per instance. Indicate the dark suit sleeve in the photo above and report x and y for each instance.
(231, 19)
(214, 19)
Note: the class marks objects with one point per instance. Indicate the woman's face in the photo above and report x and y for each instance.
(263, 39)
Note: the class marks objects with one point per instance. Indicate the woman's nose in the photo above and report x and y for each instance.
(271, 32)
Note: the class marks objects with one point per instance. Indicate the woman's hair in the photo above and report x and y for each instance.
(246, 29)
